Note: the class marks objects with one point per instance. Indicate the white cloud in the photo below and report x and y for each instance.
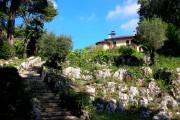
(129, 9)
(130, 25)
(89, 18)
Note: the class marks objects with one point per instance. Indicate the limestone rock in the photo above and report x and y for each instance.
(162, 115)
(73, 73)
(87, 77)
(111, 87)
(123, 88)
(105, 73)
(91, 90)
(176, 89)
(111, 106)
(168, 102)
(133, 93)
(124, 98)
(147, 71)
(144, 102)
(153, 89)
(178, 70)
(120, 74)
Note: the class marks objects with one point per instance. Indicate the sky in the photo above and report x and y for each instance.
(90, 21)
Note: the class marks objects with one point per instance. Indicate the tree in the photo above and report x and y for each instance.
(26, 9)
(54, 48)
(151, 33)
(168, 10)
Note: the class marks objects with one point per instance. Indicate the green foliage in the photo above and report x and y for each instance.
(167, 62)
(165, 78)
(168, 10)
(15, 98)
(127, 50)
(43, 10)
(19, 47)
(6, 51)
(135, 72)
(54, 48)
(75, 101)
(172, 45)
(151, 33)
(118, 116)
(88, 59)
(128, 56)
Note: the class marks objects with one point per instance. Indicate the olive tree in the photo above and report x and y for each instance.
(151, 33)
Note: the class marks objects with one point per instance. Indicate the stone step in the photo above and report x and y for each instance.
(50, 105)
(40, 91)
(51, 109)
(60, 118)
(49, 101)
(47, 97)
(46, 94)
(50, 114)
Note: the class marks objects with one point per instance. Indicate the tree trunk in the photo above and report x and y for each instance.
(152, 56)
(11, 24)
(25, 48)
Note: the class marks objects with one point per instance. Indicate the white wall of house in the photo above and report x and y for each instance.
(106, 47)
(120, 43)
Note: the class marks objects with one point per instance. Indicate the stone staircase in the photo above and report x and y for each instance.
(46, 103)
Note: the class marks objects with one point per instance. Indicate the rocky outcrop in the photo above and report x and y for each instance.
(117, 94)
(168, 102)
(111, 87)
(73, 73)
(91, 90)
(30, 62)
(176, 89)
(105, 73)
(147, 71)
(120, 74)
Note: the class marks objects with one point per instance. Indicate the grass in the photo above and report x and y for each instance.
(167, 62)
(118, 116)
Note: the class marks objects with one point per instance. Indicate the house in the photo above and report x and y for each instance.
(114, 41)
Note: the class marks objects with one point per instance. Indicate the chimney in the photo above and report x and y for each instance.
(112, 34)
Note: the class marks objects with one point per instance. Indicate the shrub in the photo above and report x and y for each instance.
(129, 56)
(6, 51)
(15, 99)
(102, 57)
(54, 49)
(126, 50)
(75, 101)
(87, 59)
(19, 47)
(165, 77)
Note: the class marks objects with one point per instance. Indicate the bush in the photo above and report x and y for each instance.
(129, 56)
(75, 101)
(165, 78)
(54, 49)
(15, 99)
(88, 59)
(126, 50)
(19, 47)
(6, 51)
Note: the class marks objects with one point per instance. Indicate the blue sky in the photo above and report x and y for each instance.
(89, 21)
